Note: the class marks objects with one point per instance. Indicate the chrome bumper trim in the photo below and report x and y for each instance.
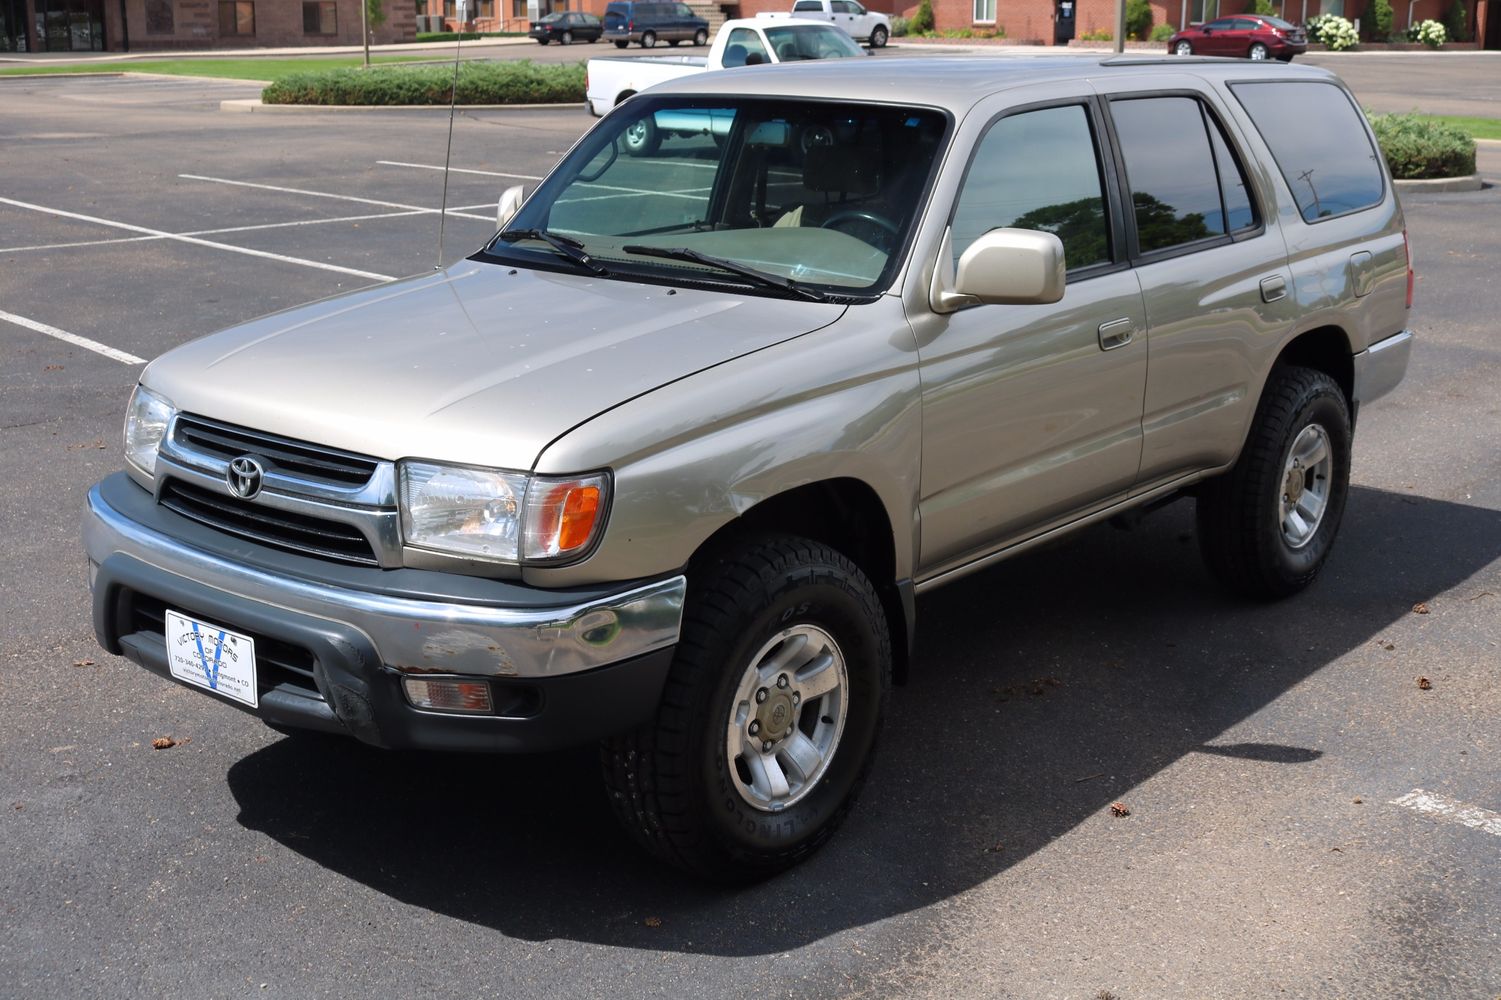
(422, 636)
(1381, 366)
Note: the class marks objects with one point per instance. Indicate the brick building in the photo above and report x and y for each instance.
(136, 25)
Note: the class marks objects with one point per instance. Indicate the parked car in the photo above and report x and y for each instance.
(666, 463)
(860, 24)
(1255, 36)
(628, 21)
(567, 27)
(608, 80)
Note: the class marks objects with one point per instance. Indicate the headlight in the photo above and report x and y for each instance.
(500, 516)
(146, 420)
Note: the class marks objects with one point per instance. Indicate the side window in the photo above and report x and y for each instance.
(840, 7)
(743, 44)
(1240, 212)
(1038, 170)
(1323, 150)
(1170, 169)
(682, 10)
(805, 5)
(1224, 24)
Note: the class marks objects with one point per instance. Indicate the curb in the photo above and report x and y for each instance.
(1441, 184)
(253, 105)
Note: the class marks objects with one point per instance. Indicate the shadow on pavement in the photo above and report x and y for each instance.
(1042, 691)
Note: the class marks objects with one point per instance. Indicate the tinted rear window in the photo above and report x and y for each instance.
(1320, 144)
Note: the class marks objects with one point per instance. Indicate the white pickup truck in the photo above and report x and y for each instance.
(746, 42)
(848, 15)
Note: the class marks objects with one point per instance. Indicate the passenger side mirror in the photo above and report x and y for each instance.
(509, 205)
(1002, 267)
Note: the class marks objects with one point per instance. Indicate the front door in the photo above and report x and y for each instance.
(1032, 413)
(70, 25)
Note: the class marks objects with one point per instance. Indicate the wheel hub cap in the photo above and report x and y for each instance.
(1305, 485)
(786, 718)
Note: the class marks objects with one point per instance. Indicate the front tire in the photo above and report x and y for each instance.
(1266, 526)
(878, 37)
(1183, 49)
(769, 718)
(1259, 52)
(567, 38)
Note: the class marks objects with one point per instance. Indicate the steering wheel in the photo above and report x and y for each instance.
(867, 222)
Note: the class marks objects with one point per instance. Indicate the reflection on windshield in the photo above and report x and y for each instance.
(811, 41)
(824, 194)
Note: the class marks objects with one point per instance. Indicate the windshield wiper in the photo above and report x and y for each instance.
(750, 273)
(564, 245)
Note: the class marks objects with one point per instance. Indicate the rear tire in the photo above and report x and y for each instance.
(1259, 52)
(621, 45)
(648, 39)
(1266, 526)
(567, 38)
(701, 37)
(642, 138)
(696, 787)
(542, 41)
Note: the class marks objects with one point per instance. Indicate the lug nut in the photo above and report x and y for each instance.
(782, 681)
(755, 726)
(796, 698)
(760, 696)
(766, 747)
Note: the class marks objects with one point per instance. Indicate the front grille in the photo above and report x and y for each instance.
(295, 458)
(299, 533)
(277, 663)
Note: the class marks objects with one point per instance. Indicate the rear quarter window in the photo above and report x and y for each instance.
(1320, 144)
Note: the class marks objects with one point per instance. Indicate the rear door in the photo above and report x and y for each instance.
(1214, 274)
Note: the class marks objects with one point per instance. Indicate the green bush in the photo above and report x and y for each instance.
(1381, 20)
(898, 27)
(1264, 8)
(446, 36)
(922, 20)
(1163, 32)
(522, 82)
(1455, 22)
(1416, 148)
(1138, 18)
(1101, 35)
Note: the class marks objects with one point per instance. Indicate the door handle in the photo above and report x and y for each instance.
(1273, 289)
(1116, 333)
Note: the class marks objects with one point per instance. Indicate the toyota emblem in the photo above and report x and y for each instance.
(245, 476)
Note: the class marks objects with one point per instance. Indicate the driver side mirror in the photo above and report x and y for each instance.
(509, 205)
(1002, 267)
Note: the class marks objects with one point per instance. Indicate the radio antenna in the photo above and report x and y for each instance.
(453, 97)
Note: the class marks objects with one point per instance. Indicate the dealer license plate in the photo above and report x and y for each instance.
(212, 657)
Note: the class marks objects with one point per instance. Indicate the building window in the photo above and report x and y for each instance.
(486, 8)
(159, 17)
(518, 8)
(320, 17)
(236, 17)
(985, 11)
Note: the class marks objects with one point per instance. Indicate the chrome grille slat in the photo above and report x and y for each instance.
(300, 458)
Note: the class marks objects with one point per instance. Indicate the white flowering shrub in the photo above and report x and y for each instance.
(1432, 34)
(1335, 33)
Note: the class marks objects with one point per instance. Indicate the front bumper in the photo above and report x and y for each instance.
(333, 642)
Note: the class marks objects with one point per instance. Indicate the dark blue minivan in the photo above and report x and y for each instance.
(628, 21)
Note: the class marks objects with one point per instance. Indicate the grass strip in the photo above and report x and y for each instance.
(229, 69)
(480, 82)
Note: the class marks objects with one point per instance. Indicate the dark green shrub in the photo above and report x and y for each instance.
(1456, 21)
(1381, 20)
(446, 36)
(1417, 148)
(922, 20)
(1264, 8)
(522, 82)
(1138, 18)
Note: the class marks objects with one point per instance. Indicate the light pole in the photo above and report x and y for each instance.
(1120, 25)
(365, 29)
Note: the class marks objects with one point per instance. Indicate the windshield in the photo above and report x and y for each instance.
(823, 194)
(811, 41)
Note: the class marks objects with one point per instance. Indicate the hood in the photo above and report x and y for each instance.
(482, 364)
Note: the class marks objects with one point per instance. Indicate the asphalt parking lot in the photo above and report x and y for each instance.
(1270, 756)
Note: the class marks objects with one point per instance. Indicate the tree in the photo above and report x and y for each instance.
(1138, 19)
(1455, 21)
(1381, 20)
(375, 13)
(922, 21)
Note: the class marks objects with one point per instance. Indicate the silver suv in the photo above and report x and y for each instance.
(666, 462)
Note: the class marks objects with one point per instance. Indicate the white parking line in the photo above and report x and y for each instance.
(215, 232)
(457, 170)
(328, 194)
(85, 243)
(266, 254)
(72, 338)
(1450, 810)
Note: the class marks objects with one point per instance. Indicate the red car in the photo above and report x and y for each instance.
(1254, 36)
